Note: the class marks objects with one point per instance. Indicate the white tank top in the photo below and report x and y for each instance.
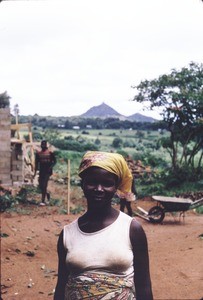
(107, 250)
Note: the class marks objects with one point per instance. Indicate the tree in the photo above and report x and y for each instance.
(117, 143)
(4, 100)
(180, 96)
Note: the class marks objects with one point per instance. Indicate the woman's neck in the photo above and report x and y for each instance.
(93, 221)
(99, 214)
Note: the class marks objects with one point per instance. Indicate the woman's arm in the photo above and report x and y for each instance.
(62, 270)
(141, 262)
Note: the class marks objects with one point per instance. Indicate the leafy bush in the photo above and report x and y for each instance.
(4, 100)
(140, 134)
(90, 146)
(181, 175)
(199, 209)
(117, 143)
(22, 195)
(77, 210)
(97, 141)
(154, 161)
(7, 201)
(51, 135)
(65, 144)
(129, 143)
(62, 157)
(37, 136)
(150, 159)
(74, 145)
(151, 189)
(122, 152)
(140, 147)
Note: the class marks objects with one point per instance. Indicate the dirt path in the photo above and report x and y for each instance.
(29, 258)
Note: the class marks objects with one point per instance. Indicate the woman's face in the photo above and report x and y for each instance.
(99, 187)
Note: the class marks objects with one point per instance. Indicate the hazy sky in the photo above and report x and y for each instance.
(61, 58)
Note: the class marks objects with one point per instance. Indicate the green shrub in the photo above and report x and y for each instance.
(117, 143)
(7, 201)
(97, 142)
(129, 144)
(37, 136)
(90, 147)
(4, 100)
(74, 145)
(22, 195)
(199, 209)
(62, 157)
(122, 152)
(77, 210)
(180, 176)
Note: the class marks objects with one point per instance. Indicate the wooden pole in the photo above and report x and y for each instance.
(68, 183)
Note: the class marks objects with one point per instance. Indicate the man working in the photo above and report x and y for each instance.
(44, 162)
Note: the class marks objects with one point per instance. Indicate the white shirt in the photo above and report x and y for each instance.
(107, 250)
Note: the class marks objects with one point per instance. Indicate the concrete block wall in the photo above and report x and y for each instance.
(5, 146)
(16, 163)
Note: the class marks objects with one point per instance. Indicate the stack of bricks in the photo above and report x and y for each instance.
(17, 162)
(137, 168)
(5, 146)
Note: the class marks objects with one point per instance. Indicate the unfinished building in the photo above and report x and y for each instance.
(16, 154)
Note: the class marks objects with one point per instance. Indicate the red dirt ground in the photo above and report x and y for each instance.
(29, 257)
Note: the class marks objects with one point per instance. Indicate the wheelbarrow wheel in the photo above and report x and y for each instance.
(156, 214)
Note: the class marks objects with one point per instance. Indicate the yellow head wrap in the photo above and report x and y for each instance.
(113, 163)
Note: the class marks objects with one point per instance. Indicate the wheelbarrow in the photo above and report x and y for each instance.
(156, 214)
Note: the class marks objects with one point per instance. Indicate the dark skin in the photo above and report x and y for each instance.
(44, 176)
(99, 187)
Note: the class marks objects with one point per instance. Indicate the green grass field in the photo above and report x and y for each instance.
(140, 145)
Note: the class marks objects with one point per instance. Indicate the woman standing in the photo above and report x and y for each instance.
(103, 254)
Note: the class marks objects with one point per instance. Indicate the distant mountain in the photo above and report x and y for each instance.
(101, 111)
(105, 111)
(140, 118)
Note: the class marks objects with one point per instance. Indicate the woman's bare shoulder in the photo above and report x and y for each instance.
(137, 232)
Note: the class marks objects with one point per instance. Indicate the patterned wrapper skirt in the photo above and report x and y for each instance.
(95, 286)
